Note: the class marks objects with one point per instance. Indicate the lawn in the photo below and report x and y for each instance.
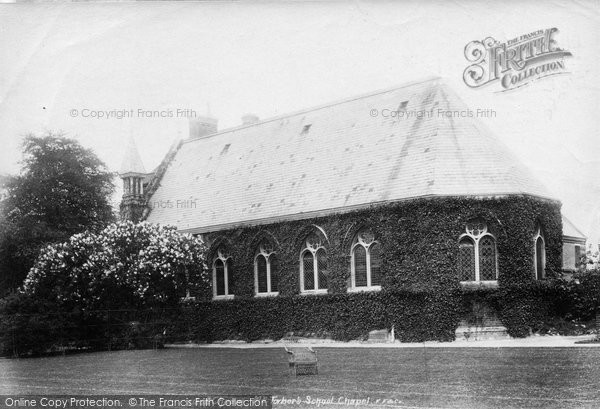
(406, 377)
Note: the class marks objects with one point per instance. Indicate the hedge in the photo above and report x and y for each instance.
(415, 316)
(31, 326)
(525, 309)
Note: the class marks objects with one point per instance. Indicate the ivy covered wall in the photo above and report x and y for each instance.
(420, 296)
(419, 240)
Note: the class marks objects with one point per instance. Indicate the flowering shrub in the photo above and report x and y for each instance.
(126, 265)
(115, 289)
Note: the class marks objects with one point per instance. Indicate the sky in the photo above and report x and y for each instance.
(269, 58)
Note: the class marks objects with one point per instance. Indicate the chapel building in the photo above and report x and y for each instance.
(389, 190)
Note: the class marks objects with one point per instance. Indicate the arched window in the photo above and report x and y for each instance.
(539, 260)
(466, 259)
(266, 270)
(477, 256)
(313, 265)
(365, 261)
(222, 275)
(487, 259)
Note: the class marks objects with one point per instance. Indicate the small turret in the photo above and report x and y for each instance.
(132, 173)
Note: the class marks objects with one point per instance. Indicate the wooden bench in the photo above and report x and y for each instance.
(302, 361)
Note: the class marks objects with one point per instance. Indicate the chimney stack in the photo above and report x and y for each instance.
(250, 119)
(202, 126)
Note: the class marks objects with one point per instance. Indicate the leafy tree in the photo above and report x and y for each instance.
(62, 189)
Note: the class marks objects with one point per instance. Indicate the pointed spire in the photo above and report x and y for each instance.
(132, 162)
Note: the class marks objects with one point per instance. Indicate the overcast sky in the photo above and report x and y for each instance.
(270, 58)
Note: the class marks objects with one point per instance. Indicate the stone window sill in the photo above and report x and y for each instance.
(271, 294)
(223, 297)
(364, 289)
(479, 284)
(313, 292)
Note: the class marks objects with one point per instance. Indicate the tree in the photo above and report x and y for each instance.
(62, 189)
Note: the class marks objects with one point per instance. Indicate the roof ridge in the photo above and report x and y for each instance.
(318, 107)
(484, 131)
(573, 226)
(443, 97)
(435, 153)
(159, 172)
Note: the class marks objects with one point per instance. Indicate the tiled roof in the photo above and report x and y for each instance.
(570, 230)
(132, 163)
(337, 157)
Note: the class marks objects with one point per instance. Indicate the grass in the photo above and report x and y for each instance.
(407, 377)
